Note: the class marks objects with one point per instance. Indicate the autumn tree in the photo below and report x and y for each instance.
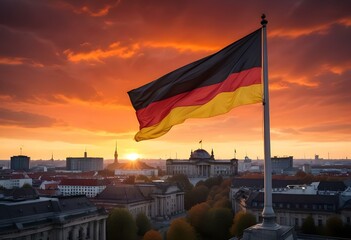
(223, 202)
(196, 195)
(181, 230)
(218, 222)
(143, 224)
(196, 216)
(121, 225)
(152, 235)
(211, 182)
(182, 180)
(241, 221)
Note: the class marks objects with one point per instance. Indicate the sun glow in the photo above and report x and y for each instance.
(132, 156)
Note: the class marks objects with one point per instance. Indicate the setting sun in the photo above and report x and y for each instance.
(132, 156)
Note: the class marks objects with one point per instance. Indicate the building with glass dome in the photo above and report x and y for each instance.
(202, 164)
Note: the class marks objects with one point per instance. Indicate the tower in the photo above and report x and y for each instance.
(116, 154)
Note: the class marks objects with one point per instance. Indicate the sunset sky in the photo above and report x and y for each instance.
(66, 68)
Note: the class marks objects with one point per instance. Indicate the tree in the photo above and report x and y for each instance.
(196, 195)
(213, 181)
(196, 217)
(334, 226)
(27, 185)
(152, 235)
(182, 180)
(142, 178)
(223, 202)
(129, 180)
(308, 226)
(218, 222)
(241, 221)
(180, 230)
(143, 224)
(120, 225)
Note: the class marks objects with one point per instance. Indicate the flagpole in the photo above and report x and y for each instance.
(268, 212)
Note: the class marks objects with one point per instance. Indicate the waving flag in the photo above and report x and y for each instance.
(205, 88)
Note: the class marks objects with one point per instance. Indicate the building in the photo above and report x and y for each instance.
(85, 163)
(155, 200)
(244, 165)
(131, 168)
(242, 187)
(202, 164)
(281, 164)
(87, 187)
(15, 180)
(293, 210)
(20, 162)
(292, 204)
(25, 215)
(135, 168)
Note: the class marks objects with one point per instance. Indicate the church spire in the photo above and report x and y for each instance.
(116, 154)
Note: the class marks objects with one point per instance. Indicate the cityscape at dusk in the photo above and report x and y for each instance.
(66, 68)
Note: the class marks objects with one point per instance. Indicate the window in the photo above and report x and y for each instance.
(320, 222)
(296, 222)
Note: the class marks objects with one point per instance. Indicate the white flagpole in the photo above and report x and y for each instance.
(267, 213)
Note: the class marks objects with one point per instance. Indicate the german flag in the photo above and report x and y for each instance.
(205, 88)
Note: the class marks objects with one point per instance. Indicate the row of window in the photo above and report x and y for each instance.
(327, 207)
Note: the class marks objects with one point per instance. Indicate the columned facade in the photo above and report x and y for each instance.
(202, 164)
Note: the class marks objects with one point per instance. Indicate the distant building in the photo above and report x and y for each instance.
(202, 164)
(24, 215)
(135, 168)
(15, 180)
(306, 168)
(20, 162)
(87, 187)
(281, 164)
(85, 163)
(245, 165)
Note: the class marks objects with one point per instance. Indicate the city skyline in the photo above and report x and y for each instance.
(66, 69)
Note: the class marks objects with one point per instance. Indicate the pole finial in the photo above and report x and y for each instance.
(264, 21)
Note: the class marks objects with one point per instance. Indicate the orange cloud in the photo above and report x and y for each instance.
(181, 47)
(114, 50)
(101, 12)
(92, 10)
(11, 61)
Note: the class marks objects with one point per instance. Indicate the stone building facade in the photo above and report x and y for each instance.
(80, 186)
(155, 200)
(85, 163)
(292, 201)
(202, 164)
(54, 218)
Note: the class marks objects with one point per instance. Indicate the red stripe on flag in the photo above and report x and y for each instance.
(156, 111)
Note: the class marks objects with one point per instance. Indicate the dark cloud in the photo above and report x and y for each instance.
(43, 85)
(26, 119)
(26, 45)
